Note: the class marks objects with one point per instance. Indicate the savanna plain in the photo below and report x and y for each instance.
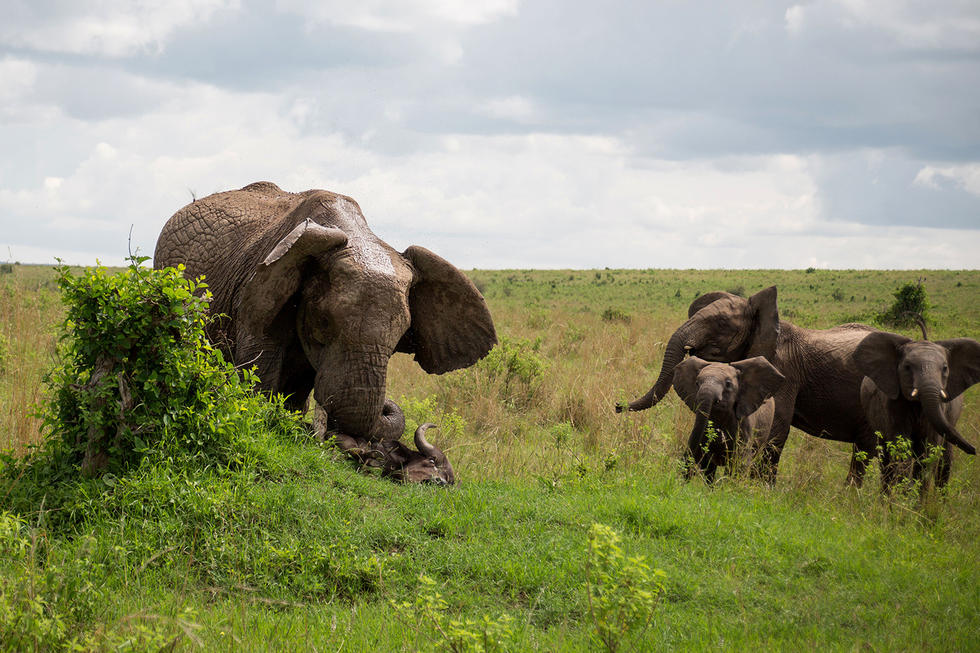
(304, 552)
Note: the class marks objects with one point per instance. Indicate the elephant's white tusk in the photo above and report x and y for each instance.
(943, 393)
(688, 347)
(914, 392)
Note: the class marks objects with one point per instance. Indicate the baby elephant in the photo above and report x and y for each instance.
(736, 397)
(913, 388)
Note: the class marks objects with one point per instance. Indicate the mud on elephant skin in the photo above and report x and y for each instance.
(316, 301)
(821, 393)
(736, 397)
(913, 388)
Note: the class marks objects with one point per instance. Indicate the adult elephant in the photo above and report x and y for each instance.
(821, 391)
(914, 389)
(318, 302)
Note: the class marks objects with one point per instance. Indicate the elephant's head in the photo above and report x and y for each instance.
(346, 301)
(929, 373)
(736, 389)
(720, 327)
(427, 465)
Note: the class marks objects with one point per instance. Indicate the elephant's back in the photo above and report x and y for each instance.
(214, 236)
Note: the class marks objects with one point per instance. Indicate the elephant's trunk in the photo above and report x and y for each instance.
(353, 395)
(932, 408)
(673, 354)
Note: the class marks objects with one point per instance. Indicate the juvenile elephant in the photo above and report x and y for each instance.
(913, 388)
(821, 393)
(737, 398)
(318, 302)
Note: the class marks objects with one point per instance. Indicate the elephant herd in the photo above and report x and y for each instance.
(310, 296)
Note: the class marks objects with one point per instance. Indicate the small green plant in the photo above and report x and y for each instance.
(910, 305)
(623, 591)
(60, 592)
(514, 360)
(429, 616)
(616, 315)
(4, 353)
(6, 268)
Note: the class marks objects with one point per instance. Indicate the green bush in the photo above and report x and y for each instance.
(137, 378)
(909, 305)
(622, 591)
(429, 616)
(514, 360)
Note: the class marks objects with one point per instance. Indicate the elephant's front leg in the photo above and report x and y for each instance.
(865, 450)
(765, 458)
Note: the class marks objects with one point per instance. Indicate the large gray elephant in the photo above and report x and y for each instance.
(914, 388)
(821, 394)
(318, 302)
(737, 398)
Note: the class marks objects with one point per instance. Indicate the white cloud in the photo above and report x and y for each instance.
(910, 23)
(401, 15)
(112, 28)
(966, 177)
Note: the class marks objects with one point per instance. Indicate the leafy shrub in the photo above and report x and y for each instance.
(138, 378)
(622, 591)
(514, 360)
(909, 305)
(4, 353)
(429, 616)
(6, 268)
(419, 411)
(616, 315)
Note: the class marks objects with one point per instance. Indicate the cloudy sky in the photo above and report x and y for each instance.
(507, 133)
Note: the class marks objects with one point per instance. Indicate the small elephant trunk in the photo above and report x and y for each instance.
(932, 408)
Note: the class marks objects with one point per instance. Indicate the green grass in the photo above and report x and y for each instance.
(303, 552)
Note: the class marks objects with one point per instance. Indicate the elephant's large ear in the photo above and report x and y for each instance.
(706, 299)
(278, 277)
(765, 324)
(757, 381)
(451, 324)
(964, 364)
(686, 380)
(877, 357)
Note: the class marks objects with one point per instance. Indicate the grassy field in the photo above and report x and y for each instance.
(307, 553)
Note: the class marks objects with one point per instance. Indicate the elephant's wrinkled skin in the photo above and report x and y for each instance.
(737, 398)
(316, 301)
(914, 389)
(822, 391)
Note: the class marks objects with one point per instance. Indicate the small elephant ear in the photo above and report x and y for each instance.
(278, 277)
(878, 356)
(964, 364)
(707, 298)
(686, 379)
(757, 381)
(765, 324)
(451, 324)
